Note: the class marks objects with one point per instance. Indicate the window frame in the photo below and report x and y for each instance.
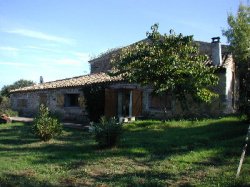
(71, 100)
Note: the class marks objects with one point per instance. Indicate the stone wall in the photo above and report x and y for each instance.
(230, 86)
(27, 103)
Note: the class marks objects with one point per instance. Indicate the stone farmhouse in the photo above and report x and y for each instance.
(116, 97)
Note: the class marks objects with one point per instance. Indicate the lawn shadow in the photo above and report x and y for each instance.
(24, 179)
(140, 178)
(157, 144)
(161, 143)
(72, 145)
(14, 135)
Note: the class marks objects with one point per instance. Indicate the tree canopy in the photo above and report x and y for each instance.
(5, 91)
(168, 63)
(238, 36)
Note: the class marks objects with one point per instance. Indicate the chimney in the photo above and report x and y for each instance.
(41, 79)
(216, 51)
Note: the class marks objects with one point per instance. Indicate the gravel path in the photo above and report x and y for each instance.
(26, 120)
(21, 119)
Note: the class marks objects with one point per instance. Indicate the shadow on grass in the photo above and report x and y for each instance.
(22, 180)
(173, 140)
(147, 178)
(14, 135)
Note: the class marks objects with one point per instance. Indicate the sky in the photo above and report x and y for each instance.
(56, 38)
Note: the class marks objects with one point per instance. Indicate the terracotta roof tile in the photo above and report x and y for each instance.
(80, 81)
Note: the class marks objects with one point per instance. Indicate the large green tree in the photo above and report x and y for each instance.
(169, 63)
(238, 36)
(5, 91)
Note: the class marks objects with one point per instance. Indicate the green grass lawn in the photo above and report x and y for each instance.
(150, 153)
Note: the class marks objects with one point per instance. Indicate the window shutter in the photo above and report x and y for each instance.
(60, 100)
(137, 103)
(110, 103)
(81, 101)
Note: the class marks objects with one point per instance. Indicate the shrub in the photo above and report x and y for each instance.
(10, 112)
(107, 132)
(5, 107)
(45, 126)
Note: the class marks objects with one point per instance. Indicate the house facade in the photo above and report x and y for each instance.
(69, 99)
(140, 101)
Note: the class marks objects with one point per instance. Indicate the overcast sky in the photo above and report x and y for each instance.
(56, 38)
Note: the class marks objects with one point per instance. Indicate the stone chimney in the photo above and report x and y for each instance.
(41, 79)
(216, 51)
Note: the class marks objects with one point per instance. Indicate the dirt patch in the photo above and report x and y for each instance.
(27, 173)
(74, 182)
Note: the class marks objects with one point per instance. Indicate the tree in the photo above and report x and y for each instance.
(238, 36)
(169, 63)
(5, 91)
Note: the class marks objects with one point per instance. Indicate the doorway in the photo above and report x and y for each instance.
(125, 103)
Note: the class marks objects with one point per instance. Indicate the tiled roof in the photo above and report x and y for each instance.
(80, 81)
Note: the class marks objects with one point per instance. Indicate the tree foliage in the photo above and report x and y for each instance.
(238, 36)
(168, 63)
(5, 91)
(5, 107)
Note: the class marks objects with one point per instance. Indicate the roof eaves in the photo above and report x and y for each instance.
(81, 81)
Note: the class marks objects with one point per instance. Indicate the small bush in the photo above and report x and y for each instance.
(5, 107)
(45, 126)
(107, 132)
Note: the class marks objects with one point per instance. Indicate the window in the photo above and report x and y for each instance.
(22, 103)
(71, 100)
(158, 102)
